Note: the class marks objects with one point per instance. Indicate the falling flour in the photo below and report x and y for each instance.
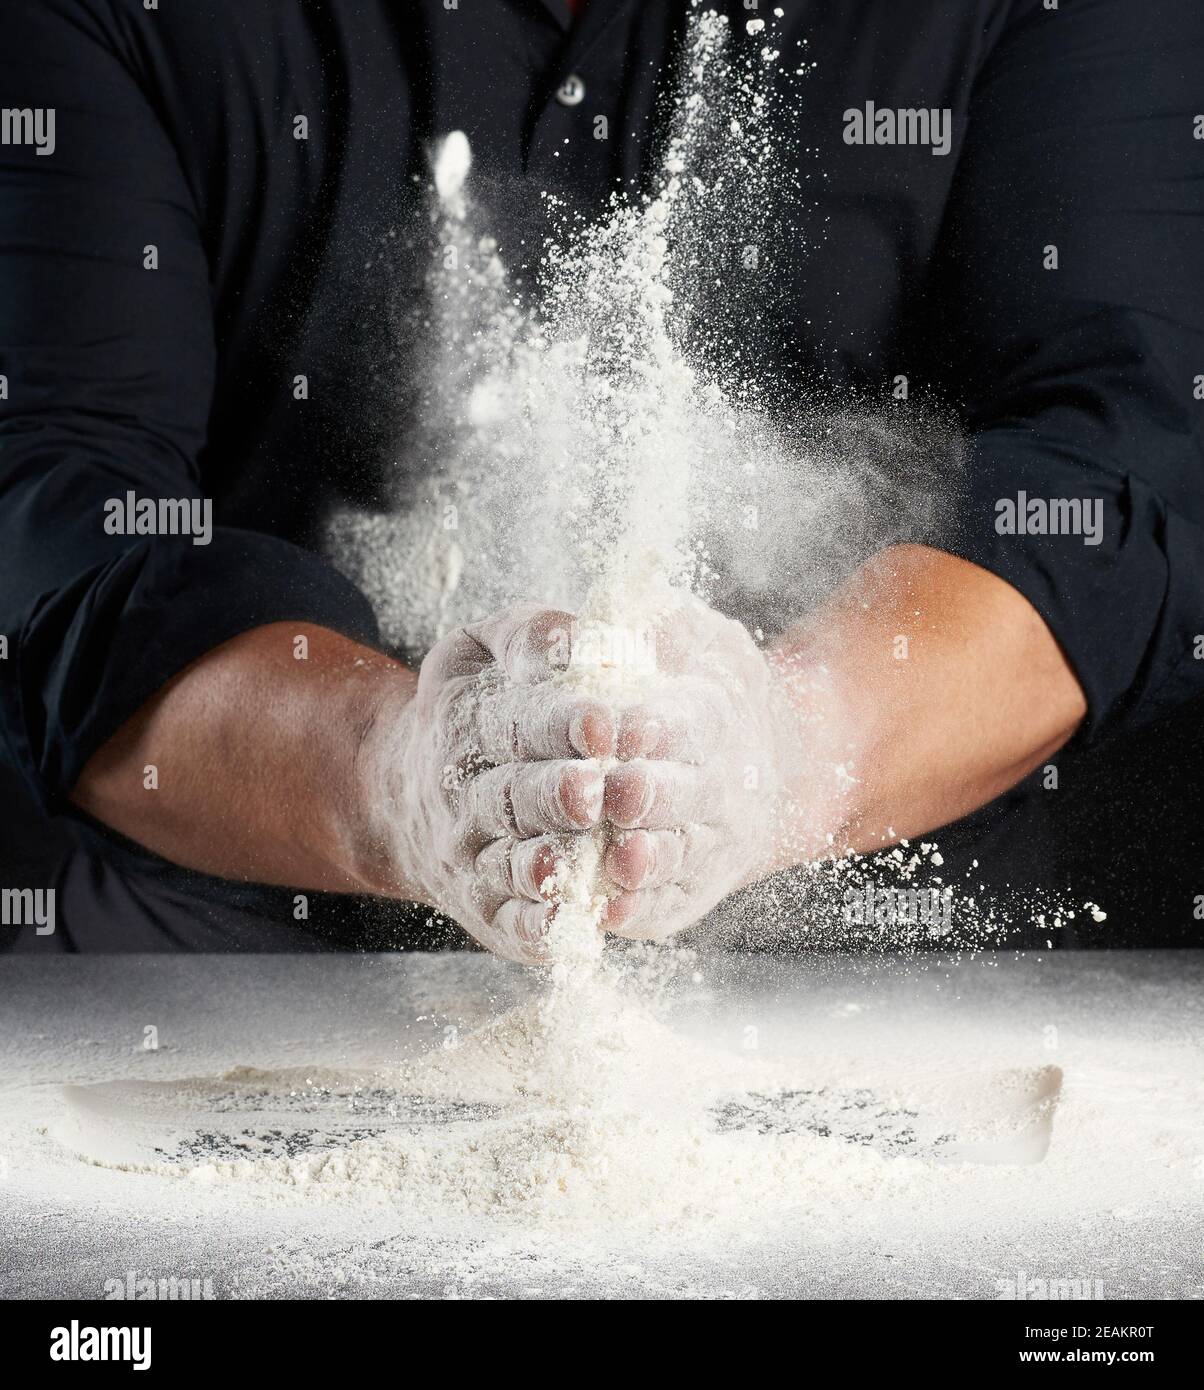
(606, 419)
(598, 444)
(595, 449)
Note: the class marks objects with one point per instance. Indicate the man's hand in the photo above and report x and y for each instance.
(335, 773)
(693, 812)
(476, 786)
(344, 772)
(839, 737)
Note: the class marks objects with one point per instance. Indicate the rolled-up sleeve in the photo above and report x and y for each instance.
(1071, 282)
(107, 365)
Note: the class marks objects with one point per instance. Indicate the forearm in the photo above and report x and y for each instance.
(930, 728)
(261, 769)
(257, 762)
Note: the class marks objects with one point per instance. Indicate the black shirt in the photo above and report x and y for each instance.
(1078, 128)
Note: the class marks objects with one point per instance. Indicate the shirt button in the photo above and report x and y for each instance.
(571, 91)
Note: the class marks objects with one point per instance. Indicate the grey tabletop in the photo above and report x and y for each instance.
(1023, 1125)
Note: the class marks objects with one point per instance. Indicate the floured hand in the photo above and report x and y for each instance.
(487, 773)
(692, 805)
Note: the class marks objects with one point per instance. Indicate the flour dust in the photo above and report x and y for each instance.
(610, 425)
(604, 445)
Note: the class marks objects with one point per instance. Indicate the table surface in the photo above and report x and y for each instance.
(1117, 1200)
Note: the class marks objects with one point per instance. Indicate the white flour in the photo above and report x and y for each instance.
(615, 421)
(611, 436)
(880, 1129)
(589, 1116)
(599, 1119)
(598, 450)
(599, 446)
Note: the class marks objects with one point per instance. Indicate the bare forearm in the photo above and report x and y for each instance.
(976, 695)
(255, 761)
(260, 771)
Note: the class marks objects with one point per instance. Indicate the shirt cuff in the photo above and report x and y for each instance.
(93, 652)
(1125, 616)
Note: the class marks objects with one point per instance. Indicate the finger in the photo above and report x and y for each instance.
(651, 915)
(658, 796)
(643, 859)
(685, 727)
(525, 926)
(520, 800)
(529, 642)
(522, 723)
(453, 656)
(517, 869)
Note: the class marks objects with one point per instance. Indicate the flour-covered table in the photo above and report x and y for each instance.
(933, 1127)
